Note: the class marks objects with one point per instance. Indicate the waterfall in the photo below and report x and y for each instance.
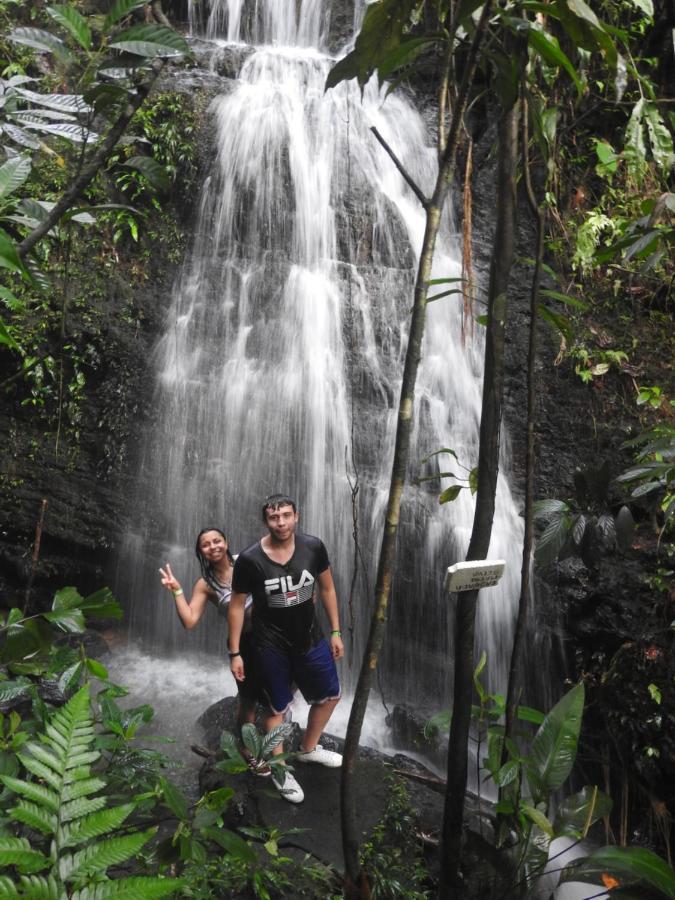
(280, 364)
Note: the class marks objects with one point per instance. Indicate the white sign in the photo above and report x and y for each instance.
(473, 575)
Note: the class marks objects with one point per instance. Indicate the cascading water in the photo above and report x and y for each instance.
(280, 364)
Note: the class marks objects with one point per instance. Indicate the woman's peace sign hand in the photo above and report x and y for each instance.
(168, 579)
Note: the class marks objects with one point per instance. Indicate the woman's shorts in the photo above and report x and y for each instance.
(314, 672)
(250, 689)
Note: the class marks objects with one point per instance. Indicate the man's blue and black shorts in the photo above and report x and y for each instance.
(314, 672)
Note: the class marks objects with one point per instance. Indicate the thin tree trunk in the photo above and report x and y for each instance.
(92, 165)
(488, 468)
(36, 556)
(514, 687)
(355, 882)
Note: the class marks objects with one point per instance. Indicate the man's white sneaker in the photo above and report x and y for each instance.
(288, 787)
(321, 756)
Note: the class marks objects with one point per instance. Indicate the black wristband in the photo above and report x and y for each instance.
(232, 655)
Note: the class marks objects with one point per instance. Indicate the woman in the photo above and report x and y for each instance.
(215, 585)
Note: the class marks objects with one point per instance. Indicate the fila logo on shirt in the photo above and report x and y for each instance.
(284, 591)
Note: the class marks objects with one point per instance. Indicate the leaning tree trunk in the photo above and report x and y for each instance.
(514, 684)
(355, 880)
(488, 468)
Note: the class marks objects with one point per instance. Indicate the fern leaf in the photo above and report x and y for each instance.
(81, 789)
(82, 759)
(97, 824)
(138, 888)
(36, 817)
(46, 757)
(81, 807)
(7, 888)
(17, 852)
(35, 767)
(37, 887)
(98, 857)
(36, 792)
(54, 738)
(79, 773)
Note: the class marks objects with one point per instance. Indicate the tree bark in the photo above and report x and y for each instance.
(356, 883)
(514, 683)
(488, 469)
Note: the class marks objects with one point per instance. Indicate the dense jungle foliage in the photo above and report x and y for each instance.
(97, 167)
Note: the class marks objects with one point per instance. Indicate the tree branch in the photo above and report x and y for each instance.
(93, 164)
(399, 165)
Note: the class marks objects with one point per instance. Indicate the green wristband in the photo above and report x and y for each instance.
(338, 633)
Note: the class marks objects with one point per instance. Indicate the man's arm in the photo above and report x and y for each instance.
(330, 604)
(235, 621)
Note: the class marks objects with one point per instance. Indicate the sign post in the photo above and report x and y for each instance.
(473, 575)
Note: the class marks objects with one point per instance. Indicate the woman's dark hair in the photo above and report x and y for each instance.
(207, 571)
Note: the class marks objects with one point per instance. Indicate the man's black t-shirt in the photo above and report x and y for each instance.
(283, 595)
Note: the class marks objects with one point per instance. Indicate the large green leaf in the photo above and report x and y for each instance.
(174, 799)
(660, 139)
(557, 321)
(629, 866)
(578, 812)
(153, 171)
(634, 146)
(119, 10)
(13, 173)
(74, 23)
(67, 598)
(234, 844)
(565, 298)
(403, 54)
(19, 136)
(552, 539)
(554, 747)
(382, 31)
(7, 339)
(69, 620)
(77, 134)
(585, 29)
(543, 509)
(151, 41)
(9, 258)
(547, 46)
(41, 40)
(66, 103)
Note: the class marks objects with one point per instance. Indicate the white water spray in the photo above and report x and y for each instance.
(280, 365)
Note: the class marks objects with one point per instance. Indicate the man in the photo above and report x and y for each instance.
(281, 571)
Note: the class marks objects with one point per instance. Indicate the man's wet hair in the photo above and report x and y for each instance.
(276, 501)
